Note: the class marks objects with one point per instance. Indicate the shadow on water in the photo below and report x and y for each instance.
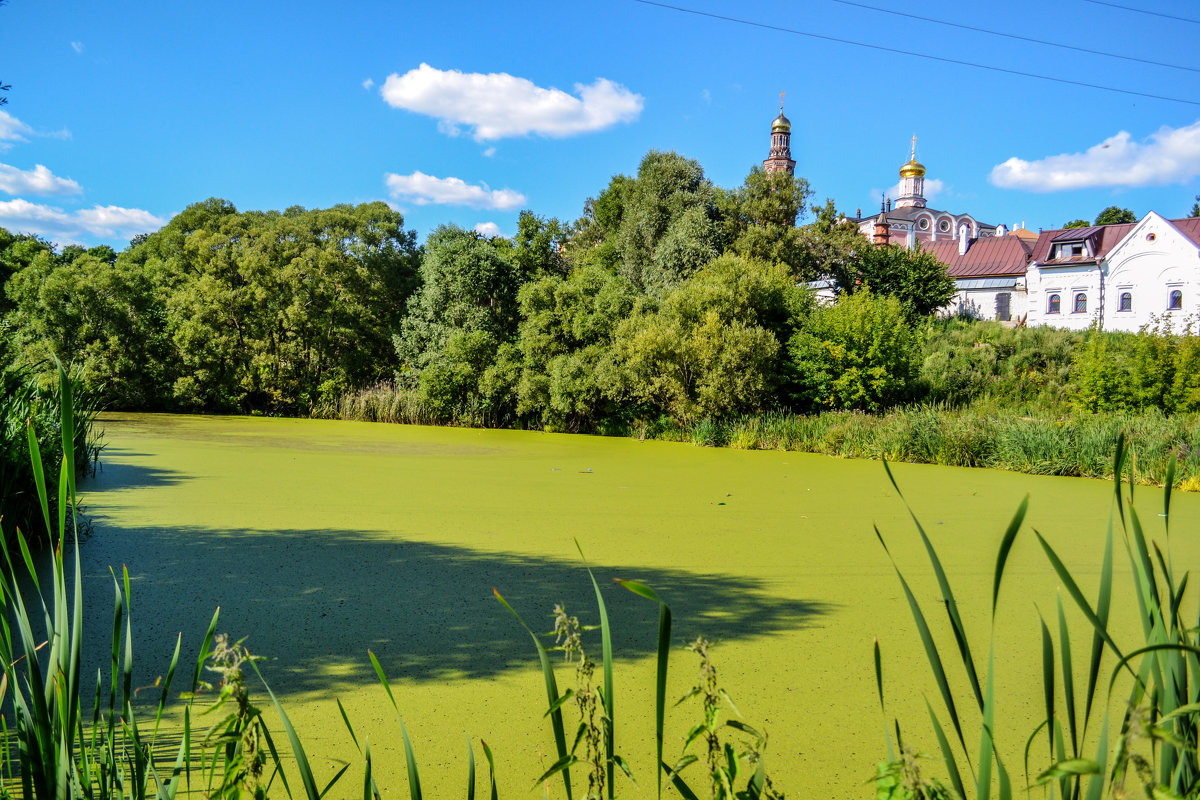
(114, 472)
(314, 601)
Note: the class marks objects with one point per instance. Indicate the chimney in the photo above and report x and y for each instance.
(962, 239)
(889, 204)
(858, 213)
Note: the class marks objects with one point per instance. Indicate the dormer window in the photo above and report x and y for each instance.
(1069, 250)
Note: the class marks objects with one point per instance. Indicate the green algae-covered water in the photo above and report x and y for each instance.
(322, 540)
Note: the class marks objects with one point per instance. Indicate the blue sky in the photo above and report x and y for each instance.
(122, 114)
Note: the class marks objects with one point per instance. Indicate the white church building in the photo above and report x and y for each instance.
(1124, 277)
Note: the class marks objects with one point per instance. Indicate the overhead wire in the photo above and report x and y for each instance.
(913, 53)
(1144, 11)
(1016, 36)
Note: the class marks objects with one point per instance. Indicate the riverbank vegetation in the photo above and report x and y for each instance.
(671, 307)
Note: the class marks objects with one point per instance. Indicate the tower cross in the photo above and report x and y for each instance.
(914, 147)
(781, 94)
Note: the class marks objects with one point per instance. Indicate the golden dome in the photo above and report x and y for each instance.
(781, 124)
(913, 169)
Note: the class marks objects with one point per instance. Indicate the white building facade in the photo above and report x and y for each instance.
(1121, 277)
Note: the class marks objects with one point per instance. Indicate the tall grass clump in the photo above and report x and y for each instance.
(26, 405)
(1085, 746)
(52, 750)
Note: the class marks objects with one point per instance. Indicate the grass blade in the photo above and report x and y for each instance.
(1006, 543)
(607, 699)
(660, 679)
(414, 777)
(302, 766)
(931, 651)
(556, 721)
(956, 624)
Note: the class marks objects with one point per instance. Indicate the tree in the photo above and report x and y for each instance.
(1195, 212)
(828, 245)
(917, 279)
(655, 229)
(1114, 215)
(1077, 223)
(860, 353)
(760, 217)
(712, 349)
(460, 322)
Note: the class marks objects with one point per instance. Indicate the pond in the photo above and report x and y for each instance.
(321, 540)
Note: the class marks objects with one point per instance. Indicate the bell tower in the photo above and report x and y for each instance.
(780, 157)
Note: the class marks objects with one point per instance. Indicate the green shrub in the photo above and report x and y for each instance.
(859, 353)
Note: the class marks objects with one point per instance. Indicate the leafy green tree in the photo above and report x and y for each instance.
(464, 312)
(221, 310)
(1114, 215)
(916, 278)
(760, 217)
(655, 229)
(1077, 223)
(566, 333)
(538, 246)
(712, 349)
(1195, 212)
(859, 353)
(828, 246)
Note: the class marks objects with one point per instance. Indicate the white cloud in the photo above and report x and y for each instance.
(77, 47)
(98, 221)
(498, 105)
(489, 152)
(707, 96)
(488, 229)
(39, 181)
(368, 83)
(933, 188)
(12, 129)
(1170, 155)
(423, 189)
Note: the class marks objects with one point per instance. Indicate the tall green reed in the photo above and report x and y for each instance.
(1153, 752)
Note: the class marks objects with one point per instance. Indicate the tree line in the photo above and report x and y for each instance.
(669, 296)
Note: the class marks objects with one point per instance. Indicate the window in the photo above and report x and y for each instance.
(1077, 250)
(1081, 303)
(1053, 306)
(1126, 302)
(1175, 300)
(1150, 237)
(924, 223)
(943, 225)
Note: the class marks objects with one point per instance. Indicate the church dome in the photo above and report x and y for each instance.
(781, 124)
(913, 169)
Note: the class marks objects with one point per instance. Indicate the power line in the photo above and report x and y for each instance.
(1016, 36)
(915, 54)
(1144, 11)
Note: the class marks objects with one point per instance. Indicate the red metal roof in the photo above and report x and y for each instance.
(987, 256)
(1103, 238)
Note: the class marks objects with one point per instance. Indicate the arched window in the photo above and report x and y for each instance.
(1126, 302)
(1080, 303)
(1052, 307)
(1175, 301)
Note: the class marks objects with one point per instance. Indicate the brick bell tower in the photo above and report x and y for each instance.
(780, 158)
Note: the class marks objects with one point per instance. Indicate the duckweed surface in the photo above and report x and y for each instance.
(320, 540)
